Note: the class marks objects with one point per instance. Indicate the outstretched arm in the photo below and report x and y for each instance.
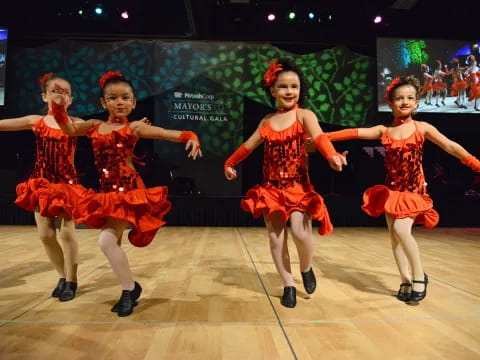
(451, 147)
(372, 133)
(189, 138)
(322, 142)
(242, 153)
(21, 123)
(73, 127)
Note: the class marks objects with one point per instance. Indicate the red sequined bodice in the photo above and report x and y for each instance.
(403, 163)
(55, 155)
(111, 154)
(285, 156)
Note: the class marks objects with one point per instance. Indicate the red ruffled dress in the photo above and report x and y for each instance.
(457, 86)
(427, 85)
(474, 86)
(122, 193)
(404, 193)
(285, 185)
(53, 187)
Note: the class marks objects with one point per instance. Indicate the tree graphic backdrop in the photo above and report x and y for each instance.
(340, 81)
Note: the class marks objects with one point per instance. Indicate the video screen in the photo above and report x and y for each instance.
(447, 70)
(3, 63)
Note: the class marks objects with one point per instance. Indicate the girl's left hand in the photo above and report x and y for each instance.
(195, 149)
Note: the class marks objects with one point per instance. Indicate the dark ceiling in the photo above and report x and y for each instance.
(335, 22)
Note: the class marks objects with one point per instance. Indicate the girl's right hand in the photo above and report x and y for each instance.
(58, 95)
(230, 173)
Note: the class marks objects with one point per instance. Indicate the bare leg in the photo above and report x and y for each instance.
(402, 229)
(277, 234)
(301, 227)
(285, 253)
(70, 248)
(109, 240)
(398, 253)
(48, 236)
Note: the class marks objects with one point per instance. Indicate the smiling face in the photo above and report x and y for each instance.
(404, 101)
(118, 99)
(58, 86)
(286, 89)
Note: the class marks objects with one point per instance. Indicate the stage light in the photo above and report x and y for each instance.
(311, 15)
(330, 17)
(292, 15)
(377, 19)
(98, 10)
(271, 17)
(125, 15)
(80, 12)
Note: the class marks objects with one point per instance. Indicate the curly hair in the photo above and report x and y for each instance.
(402, 81)
(288, 65)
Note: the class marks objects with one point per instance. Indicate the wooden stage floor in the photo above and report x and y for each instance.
(213, 293)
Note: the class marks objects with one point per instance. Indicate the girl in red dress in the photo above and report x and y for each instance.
(53, 189)
(440, 86)
(404, 199)
(123, 199)
(473, 75)
(459, 85)
(286, 192)
(427, 88)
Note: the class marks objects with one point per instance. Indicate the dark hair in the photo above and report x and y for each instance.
(113, 78)
(402, 81)
(288, 65)
(46, 78)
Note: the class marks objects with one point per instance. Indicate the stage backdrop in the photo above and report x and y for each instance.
(341, 82)
(195, 85)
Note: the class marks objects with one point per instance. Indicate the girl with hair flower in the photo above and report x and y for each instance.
(286, 192)
(53, 189)
(404, 199)
(123, 199)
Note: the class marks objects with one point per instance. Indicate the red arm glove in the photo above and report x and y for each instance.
(59, 113)
(341, 135)
(472, 162)
(237, 157)
(185, 136)
(324, 146)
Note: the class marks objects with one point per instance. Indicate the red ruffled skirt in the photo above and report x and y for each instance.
(49, 198)
(439, 85)
(379, 200)
(426, 88)
(269, 200)
(143, 208)
(474, 92)
(457, 86)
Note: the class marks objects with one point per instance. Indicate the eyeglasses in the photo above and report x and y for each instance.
(59, 91)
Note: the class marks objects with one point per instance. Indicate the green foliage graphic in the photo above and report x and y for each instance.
(340, 81)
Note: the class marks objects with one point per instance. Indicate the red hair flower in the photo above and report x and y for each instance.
(390, 88)
(270, 75)
(45, 78)
(109, 75)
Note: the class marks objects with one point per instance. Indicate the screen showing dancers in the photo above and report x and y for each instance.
(447, 69)
(3, 62)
